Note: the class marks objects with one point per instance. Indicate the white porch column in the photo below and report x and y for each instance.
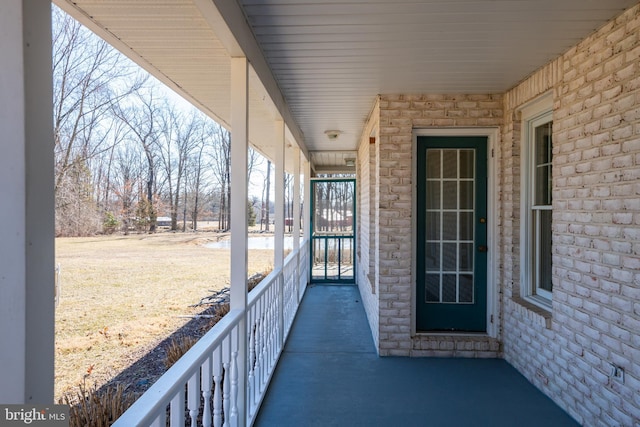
(279, 193)
(278, 237)
(296, 197)
(27, 214)
(296, 214)
(306, 211)
(239, 182)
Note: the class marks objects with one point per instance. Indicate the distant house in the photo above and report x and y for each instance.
(163, 221)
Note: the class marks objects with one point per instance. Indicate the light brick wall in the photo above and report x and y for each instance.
(366, 197)
(399, 116)
(595, 319)
(596, 224)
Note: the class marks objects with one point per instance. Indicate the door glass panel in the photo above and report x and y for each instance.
(432, 288)
(432, 256)
(449, 257)
(466, 195)
(466, 257)
(450, 163)
(467, 160)
(450, 216)
(466, 226)
(433, 163)
(450, 194)
(449, 288)
(449, 225)
(466, 288)
(433, 194)
(433, 226)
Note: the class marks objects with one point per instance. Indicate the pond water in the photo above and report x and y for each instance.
(262, 242)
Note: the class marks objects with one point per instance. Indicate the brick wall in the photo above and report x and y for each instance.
(595, 319)
(399, 116)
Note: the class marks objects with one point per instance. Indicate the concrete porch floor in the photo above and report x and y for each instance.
(330, 375)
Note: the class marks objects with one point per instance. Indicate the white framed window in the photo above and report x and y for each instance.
(536, 208)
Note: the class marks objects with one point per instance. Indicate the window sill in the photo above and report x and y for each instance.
(536, 309)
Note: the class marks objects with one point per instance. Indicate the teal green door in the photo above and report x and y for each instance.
(451, 264)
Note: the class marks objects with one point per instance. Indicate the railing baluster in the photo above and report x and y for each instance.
(234, 380)
(260, 343)
(161, 420)
(193, 398)
(176, 415)
(251, 329)
(226, 354)
(217, 387)
(206, 392)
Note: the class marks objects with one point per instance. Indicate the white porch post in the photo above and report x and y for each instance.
(306, 212)
(279, 193)
(239, 182)
(27, 214)
(296, 198)
(296, 215)
(278, 237)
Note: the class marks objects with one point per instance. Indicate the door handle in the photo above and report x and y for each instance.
(482, 248)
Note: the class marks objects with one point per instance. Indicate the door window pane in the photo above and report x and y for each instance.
(432, 288)
(433, 163)
(450, 163)
(449, 194)
(466, 288)
(466, 194)
(449, 257)
(449, 228)
(449, 293)
(467, 160)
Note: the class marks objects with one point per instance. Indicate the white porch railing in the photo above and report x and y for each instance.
(202, 387)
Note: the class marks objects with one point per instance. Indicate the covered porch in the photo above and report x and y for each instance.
(326, 88)
(332, 376)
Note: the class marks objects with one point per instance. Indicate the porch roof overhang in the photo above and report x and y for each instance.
(319, 65)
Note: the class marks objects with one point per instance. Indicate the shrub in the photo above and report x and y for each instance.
(110, 223)
(177, 348)
(98, 409)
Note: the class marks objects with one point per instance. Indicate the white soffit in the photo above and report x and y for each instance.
(332, 57)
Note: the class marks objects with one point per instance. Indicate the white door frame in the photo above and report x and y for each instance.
(492, 134)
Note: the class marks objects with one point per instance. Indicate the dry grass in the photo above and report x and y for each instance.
(121, 295)
(177, 348)
(97, 409)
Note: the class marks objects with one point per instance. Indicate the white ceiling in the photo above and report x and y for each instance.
(330, 58)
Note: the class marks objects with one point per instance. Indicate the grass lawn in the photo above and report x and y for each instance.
(121, 295)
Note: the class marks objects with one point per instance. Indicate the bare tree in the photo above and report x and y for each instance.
(127, 183)
(88, 78)
(180, 137)
(221, 166)
(197, 178)
(143, 121)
